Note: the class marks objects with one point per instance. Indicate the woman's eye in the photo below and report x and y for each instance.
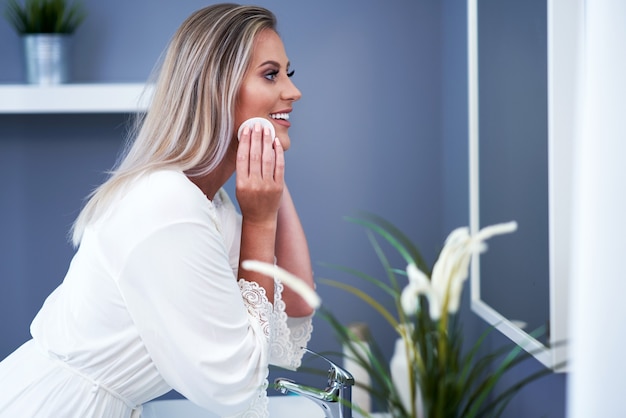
(271, 75)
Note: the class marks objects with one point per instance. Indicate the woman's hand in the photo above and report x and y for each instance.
(260, 175)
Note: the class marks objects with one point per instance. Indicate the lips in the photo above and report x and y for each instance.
(280, 118)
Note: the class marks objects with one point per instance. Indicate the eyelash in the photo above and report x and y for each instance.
(271, 76)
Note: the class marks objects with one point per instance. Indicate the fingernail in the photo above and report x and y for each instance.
(257, 127)
(246, 131)
(266, 131)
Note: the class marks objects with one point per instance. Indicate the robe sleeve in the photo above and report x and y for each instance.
(210, 337)
(205, 341)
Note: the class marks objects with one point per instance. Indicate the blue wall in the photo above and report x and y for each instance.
(381, 127)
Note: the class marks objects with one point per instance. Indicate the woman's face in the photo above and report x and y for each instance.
(267, 90)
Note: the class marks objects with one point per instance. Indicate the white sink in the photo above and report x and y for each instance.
(279, 407)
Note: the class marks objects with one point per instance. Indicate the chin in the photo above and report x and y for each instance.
(285, 141)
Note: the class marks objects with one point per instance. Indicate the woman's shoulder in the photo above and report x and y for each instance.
(166, 196)
(164, 200)
(164, 185)
(167, 179)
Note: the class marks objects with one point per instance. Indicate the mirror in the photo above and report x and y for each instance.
(522, 57)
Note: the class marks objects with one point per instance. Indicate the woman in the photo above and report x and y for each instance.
(151, 300)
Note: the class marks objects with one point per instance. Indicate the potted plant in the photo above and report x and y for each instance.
(46, 27)
(431, 373)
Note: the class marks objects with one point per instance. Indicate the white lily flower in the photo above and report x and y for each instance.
(497, 229)
(418, 284)
(290, 280)
(450, 270)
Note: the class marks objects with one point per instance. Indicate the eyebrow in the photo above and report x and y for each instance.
(275, 63)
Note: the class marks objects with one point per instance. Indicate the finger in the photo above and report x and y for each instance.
(279, 167)
(268, 155)
(256, 150)
(243, 154)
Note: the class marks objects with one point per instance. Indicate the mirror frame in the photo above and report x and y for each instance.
(563, 20)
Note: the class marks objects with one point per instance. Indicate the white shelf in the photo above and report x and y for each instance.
(73, 98)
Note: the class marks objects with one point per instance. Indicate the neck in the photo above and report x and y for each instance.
(212, 182)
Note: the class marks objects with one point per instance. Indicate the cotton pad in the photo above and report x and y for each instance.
(253, 121)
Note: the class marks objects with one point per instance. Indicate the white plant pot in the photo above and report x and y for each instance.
(399, 369)
(47, 58)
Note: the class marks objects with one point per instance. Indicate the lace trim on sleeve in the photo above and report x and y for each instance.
(285, 336)
(301, 330)
(259, 307)
(288, 335)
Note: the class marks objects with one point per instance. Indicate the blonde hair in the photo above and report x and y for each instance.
(190, 122)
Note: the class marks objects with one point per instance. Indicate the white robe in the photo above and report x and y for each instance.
(151, 303)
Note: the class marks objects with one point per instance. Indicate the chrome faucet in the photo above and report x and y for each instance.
(335, 400)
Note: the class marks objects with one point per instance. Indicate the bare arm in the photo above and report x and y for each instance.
(292, 254)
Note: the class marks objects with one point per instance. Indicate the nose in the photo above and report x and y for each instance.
(291, 92)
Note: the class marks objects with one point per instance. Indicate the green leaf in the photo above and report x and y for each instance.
(392, 292)
(395, 237)
(45, 16)
(365, 297)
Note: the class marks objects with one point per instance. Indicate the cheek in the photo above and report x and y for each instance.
(243, 108)
(254, 100)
